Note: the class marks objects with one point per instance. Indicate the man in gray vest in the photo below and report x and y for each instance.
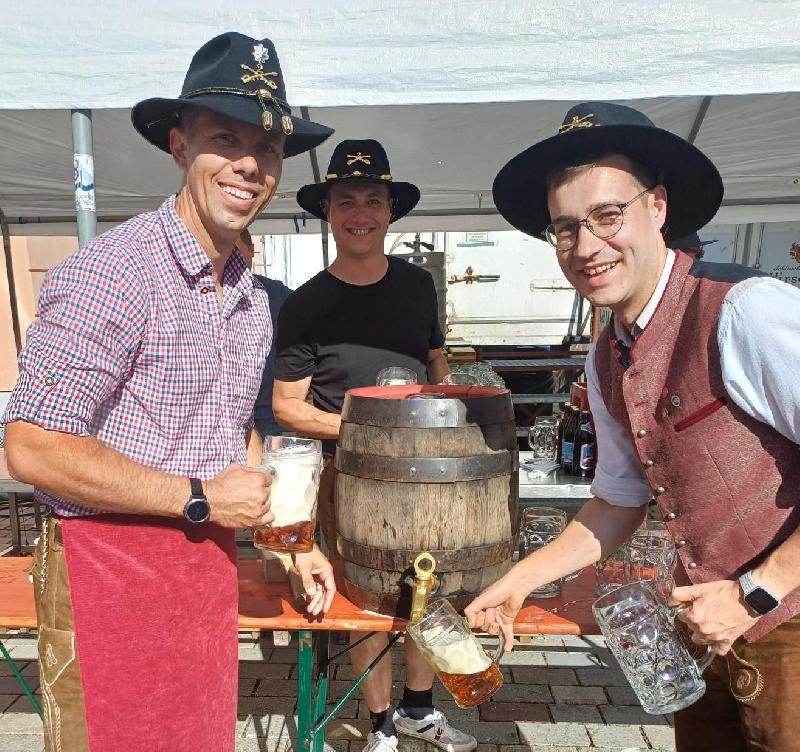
(694, 391)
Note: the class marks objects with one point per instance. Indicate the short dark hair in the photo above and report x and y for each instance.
(187, 116)
(644, 175)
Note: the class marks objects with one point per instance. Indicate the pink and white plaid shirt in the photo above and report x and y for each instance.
(132, 346)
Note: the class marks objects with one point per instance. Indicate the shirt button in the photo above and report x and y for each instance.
(692, 565)
(641, 433)
(204, 289)
(680, 543)
(669, 516)
(49, 381)
(648, 463)
(660, 490)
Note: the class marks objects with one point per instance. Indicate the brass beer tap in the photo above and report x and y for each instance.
(425, 583)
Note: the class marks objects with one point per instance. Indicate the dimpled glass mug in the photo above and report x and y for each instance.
(447, 643)
(655, 656)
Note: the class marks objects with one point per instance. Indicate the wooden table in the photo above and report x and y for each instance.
(270, 606)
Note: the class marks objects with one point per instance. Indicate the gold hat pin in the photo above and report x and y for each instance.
(359, 157)
(577, 122)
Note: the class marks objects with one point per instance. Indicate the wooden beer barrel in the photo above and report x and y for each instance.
(414, 475)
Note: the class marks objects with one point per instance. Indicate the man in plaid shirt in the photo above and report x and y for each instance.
(132, 416)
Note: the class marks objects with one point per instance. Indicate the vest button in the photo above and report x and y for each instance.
(692, 565)
(680, 543)
(641, 433)
(669, 516)
(648, 463)
(660, 490)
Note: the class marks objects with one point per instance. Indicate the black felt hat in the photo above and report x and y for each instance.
(359, 161)
(237, 76)
(690, 242)
(591, 129)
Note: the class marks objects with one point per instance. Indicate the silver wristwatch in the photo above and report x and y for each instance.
(756, 596)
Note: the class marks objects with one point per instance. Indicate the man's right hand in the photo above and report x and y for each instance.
(239, 497)
(495, 609)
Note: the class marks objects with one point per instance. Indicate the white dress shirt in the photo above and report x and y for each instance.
(759, 343)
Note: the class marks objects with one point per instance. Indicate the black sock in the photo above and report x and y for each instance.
(383, 722)
(417, 704)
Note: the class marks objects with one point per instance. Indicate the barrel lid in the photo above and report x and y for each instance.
(461, 406)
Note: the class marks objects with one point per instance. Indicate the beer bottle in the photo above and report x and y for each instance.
(585, 447)
(568, 440)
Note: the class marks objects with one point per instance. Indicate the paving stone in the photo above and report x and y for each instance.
(524, 693)
(601, 677)
(575, 714)
(6, 701)
(586, 642)
(9, 685)
(493, 733)
(276, 688)
(616, 736)
(514, 711)
(24, 651)
(630, 715)
(348, 710)
(555, 642)
(622, 696)
(283, 655)
(660, 737)
(543, 675)
(579, 695)
(524, 658)
(262, 706)
(575, 660)
(554, 734)
(21, 742)
(486, 748)
(347, 729)
(253, 652)
(247, 686)
(457, 716)
(20, 719)
(26, 668)
(260, 670)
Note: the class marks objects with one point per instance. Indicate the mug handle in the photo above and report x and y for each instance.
(530, 437)
(498, 653)
(272, 470)
(704, 661)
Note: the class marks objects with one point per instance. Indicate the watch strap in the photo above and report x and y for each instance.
(197, 487)
(748, 584)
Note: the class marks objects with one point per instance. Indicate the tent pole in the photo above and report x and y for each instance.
(12, 288)
(698, 120)
(312, 154)
(83, 163)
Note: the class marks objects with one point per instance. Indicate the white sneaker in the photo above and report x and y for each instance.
(435, 729)
(377, 741)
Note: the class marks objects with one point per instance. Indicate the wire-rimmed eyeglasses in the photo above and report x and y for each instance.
(603, 222)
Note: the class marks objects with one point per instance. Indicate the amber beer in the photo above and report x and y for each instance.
(294, 464)
(469, 690)
(447, 644)
(299, 536)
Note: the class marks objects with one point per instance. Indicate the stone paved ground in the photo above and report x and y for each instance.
(562, 694)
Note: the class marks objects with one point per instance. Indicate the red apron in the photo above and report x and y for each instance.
(154, 603)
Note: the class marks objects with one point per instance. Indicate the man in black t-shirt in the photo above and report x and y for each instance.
(366, 312)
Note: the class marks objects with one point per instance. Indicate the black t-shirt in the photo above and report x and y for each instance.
(342, 335)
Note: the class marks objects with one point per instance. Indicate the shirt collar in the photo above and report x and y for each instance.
(191, 256)
(643, 319)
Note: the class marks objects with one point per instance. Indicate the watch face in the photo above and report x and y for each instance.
(761, 601)
(197, 509)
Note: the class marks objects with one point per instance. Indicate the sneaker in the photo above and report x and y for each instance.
(435, 729)
(377, 741)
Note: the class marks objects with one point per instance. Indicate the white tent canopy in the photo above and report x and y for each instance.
(452, 89)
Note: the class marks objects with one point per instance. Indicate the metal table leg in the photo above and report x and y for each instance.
(13, 514)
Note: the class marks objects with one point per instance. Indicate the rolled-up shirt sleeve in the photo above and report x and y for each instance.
(90, 321)
(618, 477)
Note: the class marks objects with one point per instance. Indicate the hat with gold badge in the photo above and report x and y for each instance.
(591, 130)
(237, 76)
(359, 161)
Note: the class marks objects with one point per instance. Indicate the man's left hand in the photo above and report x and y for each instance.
(716, 614)
(318, 583)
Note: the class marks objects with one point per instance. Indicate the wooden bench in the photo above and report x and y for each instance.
(270, 606)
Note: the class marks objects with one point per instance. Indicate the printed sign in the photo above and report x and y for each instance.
(83, 166)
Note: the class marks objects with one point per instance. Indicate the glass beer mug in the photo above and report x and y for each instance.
(657, 658)
(447, 643)
(295, 466)
(395, 376)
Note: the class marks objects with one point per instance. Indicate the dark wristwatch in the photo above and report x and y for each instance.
(757, 597)
(197, 508)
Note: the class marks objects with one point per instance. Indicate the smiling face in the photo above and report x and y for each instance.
(231, 171)
(622, 271)
(359, 216)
